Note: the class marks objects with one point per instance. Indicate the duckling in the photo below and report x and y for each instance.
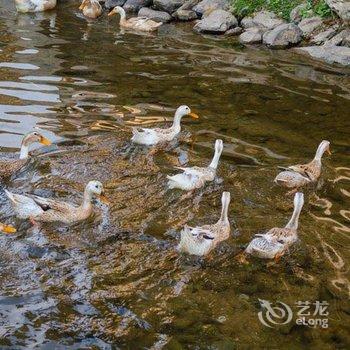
(25, 6)
(36, 208)
(7, 228)
(202, 240)
(196, 177)
(91, 8)
(297, 176)
(8, 167)
(138, 23)
(151, 137)
(274, 243)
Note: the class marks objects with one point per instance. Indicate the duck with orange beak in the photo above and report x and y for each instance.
(9, 167)
(91, 8)
(152, 137)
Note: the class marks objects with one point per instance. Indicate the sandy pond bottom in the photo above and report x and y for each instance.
(115, 281)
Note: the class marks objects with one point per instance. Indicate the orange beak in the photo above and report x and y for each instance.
(329, 151)
(45, 141)
(8, 229)
(194, 115)
(104, 199)
(111, 13)
(81, 7)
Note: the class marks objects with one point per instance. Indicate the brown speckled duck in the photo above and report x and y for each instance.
(202, 240)
(41, 209)
(299, 175)
(9, 167)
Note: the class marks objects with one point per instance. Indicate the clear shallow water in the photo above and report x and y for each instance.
(114, 281)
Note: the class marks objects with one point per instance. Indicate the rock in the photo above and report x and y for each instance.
(251, 36)
(285, 35)
(136, 5)
(341, 39)
(185, 15)
(296, 14)
(211, 5)
(218, 21)
(341, 8)
(266, 19)
(320, 38)
(329, 54)
(247, 22)
(109, 4)
(169, 6)
(308, 25)
(158, 16)
(189, 4)
(234, 31)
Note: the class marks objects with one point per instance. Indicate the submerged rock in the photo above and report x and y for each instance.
(169, 6)
(158, 16)
(234, 31)
(329, 54)
(296, 14)
(283, 36)
(217, 22)
(109, 4)
(341, 8)
(136, 5)
(308, 25)
(251, 36)
(211, 5)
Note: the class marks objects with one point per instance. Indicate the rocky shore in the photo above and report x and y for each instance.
(323, 39)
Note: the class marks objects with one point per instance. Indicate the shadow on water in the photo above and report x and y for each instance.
(116, 281)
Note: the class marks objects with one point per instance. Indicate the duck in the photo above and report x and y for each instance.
(299, 175)
(152, 137)
(202, 240)
(25, 6)
(138, 23)
(274, 243)
(91, 8)
(9, 167)
(39, 209)
(196, 177)
(7, 228)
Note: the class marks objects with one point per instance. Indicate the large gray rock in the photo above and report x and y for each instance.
(329, 54)
(251, 36)
(308, 25)
(341, 39)
(169, 6)
(185, 15)
(109, 4)
(217, 22)
(285, 35)
(206, 6)
(136, 5)
(341, 8)
(323, 36)
(189, 4)
(247, 22)
(266, 19)
(158, 16)
(296, 14)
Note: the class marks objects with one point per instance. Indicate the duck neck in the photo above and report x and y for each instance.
(122, 15)
(214, 163)
(320, 151)
(87, 200)
(224, 210)
(24, 151)
(177, 122)
(294, 220)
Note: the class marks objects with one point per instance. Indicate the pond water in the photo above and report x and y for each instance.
(115, 281)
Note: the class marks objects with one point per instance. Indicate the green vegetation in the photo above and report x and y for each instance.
(282, 8)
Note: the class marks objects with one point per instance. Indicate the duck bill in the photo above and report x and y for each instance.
(104, 199)
(8, 229)
(112, 13)
(329, 151)
(45, 141)
(81, 7)
(194, 115)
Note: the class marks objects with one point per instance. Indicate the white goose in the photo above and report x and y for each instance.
(34, 5)
(151, 137)
(201, 240)
(196, 177)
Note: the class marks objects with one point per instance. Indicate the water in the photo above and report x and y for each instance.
(115, 281)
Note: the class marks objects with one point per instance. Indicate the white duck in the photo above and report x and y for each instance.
(91, 8)
(138, 23)
(48, 210)
(34, 5)
(196, 177)
(151, 137)
(201, 240)
(274, 243)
